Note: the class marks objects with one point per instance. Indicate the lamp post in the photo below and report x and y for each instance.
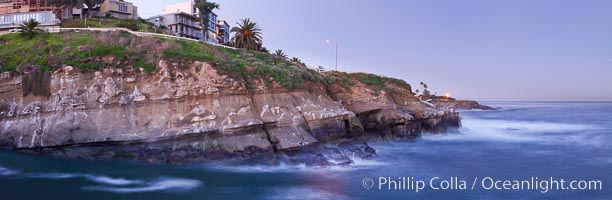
(329, 41)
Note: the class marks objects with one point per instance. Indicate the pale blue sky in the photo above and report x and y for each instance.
(473, 49)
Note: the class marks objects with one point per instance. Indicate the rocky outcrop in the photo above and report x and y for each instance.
(195, 113)
(460, 105)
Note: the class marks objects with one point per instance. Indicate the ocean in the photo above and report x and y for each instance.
(527, 150)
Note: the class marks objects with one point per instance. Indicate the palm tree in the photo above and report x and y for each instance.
(423, 85)
(264, 50)
(426, 92)
(29, 28)
(280, 53)
(205, 8)
(247, 35)
(296, 60)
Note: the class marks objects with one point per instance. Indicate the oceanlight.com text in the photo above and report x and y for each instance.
(543, 185)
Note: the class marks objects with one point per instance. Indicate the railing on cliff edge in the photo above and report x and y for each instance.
(141, 34)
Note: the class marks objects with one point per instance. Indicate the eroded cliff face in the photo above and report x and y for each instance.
(194, 113)
(396, 115)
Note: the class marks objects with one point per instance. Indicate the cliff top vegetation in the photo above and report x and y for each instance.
(93, 51)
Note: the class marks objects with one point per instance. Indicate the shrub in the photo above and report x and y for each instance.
(188, 55)
(148, 67)
(129, 25)
(370, 79)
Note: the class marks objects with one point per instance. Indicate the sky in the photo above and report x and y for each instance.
(505, 50)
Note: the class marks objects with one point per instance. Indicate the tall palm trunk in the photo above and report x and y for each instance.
(205, 23)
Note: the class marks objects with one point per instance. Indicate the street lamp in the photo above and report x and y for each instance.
(329, 41)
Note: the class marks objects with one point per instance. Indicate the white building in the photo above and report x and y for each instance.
(183, 20)
(47, 19)
(186, 7)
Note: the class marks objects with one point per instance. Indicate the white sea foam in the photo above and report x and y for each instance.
(123, 185)
(91, 177)
(111, 181)
(7, 172)
(358, 163)
(53, 175)
(163, 184)
(258, 168)
(513, 131)
(304, 193)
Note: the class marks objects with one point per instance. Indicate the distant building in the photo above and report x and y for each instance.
(180, 24)
(23, 6)
(183, 19)
(223, 32)
(77, 13)
(156, 20)
(26, 6)
(186, 7)
(47, 19)
(118, 9)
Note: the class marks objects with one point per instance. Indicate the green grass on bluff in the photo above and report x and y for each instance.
(92, 51)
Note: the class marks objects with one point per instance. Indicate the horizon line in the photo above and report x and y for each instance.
(557, 101)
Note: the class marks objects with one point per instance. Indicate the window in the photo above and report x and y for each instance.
(121, 6)
(212, 22)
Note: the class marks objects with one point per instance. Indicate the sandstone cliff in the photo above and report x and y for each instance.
(189, 109)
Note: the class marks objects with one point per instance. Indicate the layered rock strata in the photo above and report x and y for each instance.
(195, 114)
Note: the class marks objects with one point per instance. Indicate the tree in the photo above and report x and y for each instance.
(423, 85)
(91, 4)
(426, 92)
(296, 60)
(247, 35)
(205, 8)
(264, 50)
(280, 53)
(29, 29)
